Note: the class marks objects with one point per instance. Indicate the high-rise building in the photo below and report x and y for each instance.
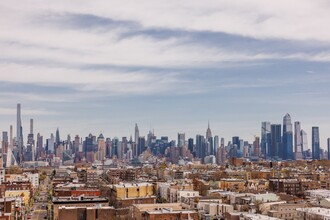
(141, 145)
(200, 146)
(51, 143)
(297, 141)
(108, 144)
(123, 147)
(236, 141)
(57, 137)
(40, 146)
(276, 142)
(181, 139)
(31, 152)
(315, 143)
(265, 139)
(19, 135)
(256, 147)
(216, 145)
(4, 142)
(304, 143)
(328, 143)
(208, 131)
(101, 148)
(136, 141)
(287, 153)
(89, 148)
(11, 140)
(191, 145)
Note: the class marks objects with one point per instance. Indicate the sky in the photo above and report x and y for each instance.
(170, 66)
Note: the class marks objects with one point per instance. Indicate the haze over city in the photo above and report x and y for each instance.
(169, 66)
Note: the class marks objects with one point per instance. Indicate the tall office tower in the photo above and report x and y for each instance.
(276, 141)
(76, 145)
(216, 145)
(200, 146)
(222, 151)
(328, 142)
(19, 134)
(11, 141)
(4, 142)
(315, 143)
(123, 148)
(191, 145)
(31, 126)
(287, 138)
(265, 139)
(297, 141)
(256, 147)
(181, 139)
(40, 146)
(209, 146)
(222, 142)
(108, 145)
(141, 145)
(51, 143)
(69, 143)
(136, 134)
(208, 132)
(101, 148)
(236, 144)
(89, 148)
(120, 150)
(57, 137)
(31, 152)
(136, 141)
(304, 141)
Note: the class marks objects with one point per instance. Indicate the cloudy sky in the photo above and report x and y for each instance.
(102, 66)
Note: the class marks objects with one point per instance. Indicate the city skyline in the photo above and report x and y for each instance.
(287, 126)
(105, 66)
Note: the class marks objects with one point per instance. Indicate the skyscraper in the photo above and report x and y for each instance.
(136, 141)
(19, 134)
(265, 139)
(236, 147)
(200, 146)
(181, 139)
(287, 138)
(216, 145)
(4, 142)
(101, 148)
(276, 142)
(31, 144)
(256, 146)
(208, 131)
(51, 143)
(304, 143)
(315, 143)
(297, 141)
(57, 137)
(191, 145)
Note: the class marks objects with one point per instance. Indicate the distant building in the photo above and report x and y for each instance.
(298, 146)
(315, 143)
(287, 138)
(276, 151)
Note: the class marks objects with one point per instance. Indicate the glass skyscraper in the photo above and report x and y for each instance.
(287, 153)
(315, 143)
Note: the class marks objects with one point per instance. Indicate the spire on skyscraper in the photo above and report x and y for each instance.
(208, 131)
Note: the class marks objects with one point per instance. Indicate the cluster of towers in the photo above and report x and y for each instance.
(278, 142)
(288, 143)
